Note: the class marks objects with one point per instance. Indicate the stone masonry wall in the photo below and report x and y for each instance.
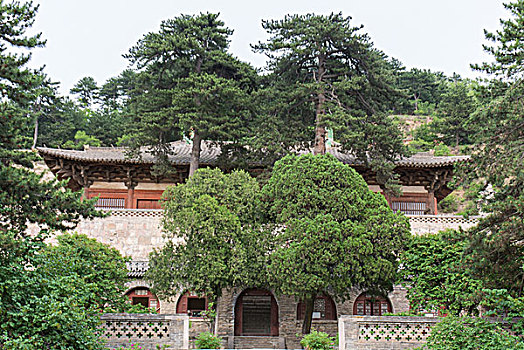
(135, 232)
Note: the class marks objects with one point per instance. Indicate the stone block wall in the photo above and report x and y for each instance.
(197, 325)
(150, 331)
(133, 232)
(136, 232)
(384, 332)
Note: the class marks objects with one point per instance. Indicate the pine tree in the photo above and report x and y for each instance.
(327, 74)
(499, 158)
(189, 85)
(26, 199)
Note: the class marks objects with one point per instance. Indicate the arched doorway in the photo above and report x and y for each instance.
(256, 313)
(371, 305)
(323, 309)
(143, 296)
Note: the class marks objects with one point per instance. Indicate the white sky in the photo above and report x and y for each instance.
(88, 37)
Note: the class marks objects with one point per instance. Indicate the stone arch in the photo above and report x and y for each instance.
(371, 305)
(256, 313)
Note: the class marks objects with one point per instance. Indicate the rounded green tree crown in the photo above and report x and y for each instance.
(307, 185)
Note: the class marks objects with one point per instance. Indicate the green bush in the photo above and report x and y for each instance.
(207, 340)
(442, 150)
(317, 341)
(466, 333)
(450, 204)
(134, 346)
(418, 145)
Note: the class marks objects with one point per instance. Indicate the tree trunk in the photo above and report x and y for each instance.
(308, 315)
(35, 134)
(195, 153)
(320, 130)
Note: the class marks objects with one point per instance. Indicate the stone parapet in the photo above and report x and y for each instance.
(149, 330)
(424, 224)
(384, 332)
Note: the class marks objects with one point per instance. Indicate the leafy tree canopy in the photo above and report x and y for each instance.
(337, 234)
(215, 240)
(439, 275)
(101, 268)
(463, 333)
(455, 108)
(189, 85)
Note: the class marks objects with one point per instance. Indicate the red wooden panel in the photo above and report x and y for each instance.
(274, 317)
(239, 311)
(147, 204)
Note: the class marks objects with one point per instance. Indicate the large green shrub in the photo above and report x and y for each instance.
(207, 340)
(466, 333)
(317, 341)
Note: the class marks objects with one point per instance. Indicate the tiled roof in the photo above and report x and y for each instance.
(181, 154)
(137, 269)
(180, 149)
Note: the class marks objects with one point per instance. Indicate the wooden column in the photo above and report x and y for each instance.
(431, 203)
(86, 193)
(130, 200)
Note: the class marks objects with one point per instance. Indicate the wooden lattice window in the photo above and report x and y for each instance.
(409, 208)
(371, 305)
(323, 309)
(110, 203)
(143, 296)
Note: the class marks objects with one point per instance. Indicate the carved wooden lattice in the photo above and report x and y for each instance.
(394, 332)
(136, 330)
(409, 208)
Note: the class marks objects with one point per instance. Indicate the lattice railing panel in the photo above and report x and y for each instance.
(443, 219)
(136, 330)
(156, 213)
(394, 332)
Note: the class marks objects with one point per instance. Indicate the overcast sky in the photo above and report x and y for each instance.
(88, 37)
